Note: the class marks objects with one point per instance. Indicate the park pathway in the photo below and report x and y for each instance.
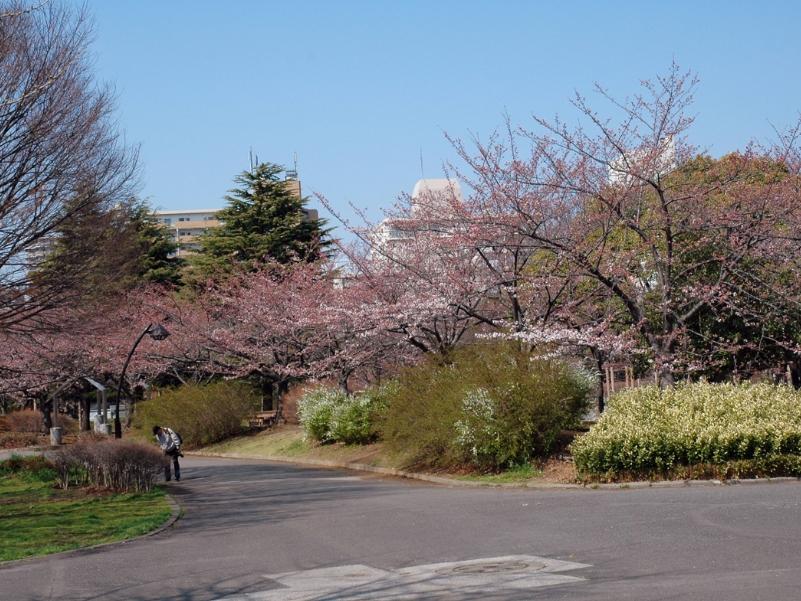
(260, 531)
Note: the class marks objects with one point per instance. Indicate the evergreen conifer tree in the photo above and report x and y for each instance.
(98, 251)
(264, 220)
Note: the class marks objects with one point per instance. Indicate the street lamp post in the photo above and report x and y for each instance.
(156, 332)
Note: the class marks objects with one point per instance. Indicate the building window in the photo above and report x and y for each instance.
(167, 221)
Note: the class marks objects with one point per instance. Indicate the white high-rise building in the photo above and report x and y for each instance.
(431, 198)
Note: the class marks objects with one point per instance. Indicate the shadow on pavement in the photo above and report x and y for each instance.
(221, 497)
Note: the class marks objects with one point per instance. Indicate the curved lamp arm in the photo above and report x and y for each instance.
(157, 332)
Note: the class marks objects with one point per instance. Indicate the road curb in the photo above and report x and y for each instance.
(176, 511)
(452, 482)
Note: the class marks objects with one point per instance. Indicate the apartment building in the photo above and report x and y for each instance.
(186, 225)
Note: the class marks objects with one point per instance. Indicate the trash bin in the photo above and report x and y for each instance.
(56, 435)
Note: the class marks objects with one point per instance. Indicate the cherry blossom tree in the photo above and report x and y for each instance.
(298, 321)
(616, 235)
(617, 211)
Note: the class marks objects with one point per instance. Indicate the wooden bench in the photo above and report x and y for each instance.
(263, 419)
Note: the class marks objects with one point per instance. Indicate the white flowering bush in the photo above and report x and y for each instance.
(648, 431)
(316, 409)
(330, 415)
(478, 434)
(585, 377)
(513, 422)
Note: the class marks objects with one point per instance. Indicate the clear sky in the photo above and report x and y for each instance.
(357, 89)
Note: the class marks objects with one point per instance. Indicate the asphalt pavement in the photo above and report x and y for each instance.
(258, 531)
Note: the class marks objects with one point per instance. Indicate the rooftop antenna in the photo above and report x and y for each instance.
(422, 172)
(293, 173)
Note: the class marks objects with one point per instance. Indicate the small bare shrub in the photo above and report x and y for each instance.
(67, 424)
(92, 436)
(17, 440)
(118, 465)
(25, 420)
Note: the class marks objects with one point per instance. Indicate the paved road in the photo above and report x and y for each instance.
(261, 531)
(8, 453)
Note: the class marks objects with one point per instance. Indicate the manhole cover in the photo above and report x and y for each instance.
(492, 567)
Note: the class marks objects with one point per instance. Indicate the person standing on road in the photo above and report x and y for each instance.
(170, 443)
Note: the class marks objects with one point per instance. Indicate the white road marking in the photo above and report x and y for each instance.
(300, 478)
(360, 582)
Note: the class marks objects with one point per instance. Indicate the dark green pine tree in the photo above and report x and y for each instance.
(157, 262)
(100, 251)
(264, 220)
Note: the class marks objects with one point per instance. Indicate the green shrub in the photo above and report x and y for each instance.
(330, 415)
(200, 414)
(315, 410)
(355, 420)
(648, 432)
(489, 405)
(31, 467)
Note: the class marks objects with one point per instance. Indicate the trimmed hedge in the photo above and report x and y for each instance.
(729, 428)
(200, 414)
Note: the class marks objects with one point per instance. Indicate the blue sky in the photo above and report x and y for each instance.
(357, 89)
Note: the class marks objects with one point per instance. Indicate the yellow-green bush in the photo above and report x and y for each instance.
(200, 414)
(487, 405)
(650, 432)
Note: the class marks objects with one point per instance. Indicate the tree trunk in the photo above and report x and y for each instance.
(598, 355)
(84, 408)
(795, 375)
(278, 403)
(665, 375)
(47, 419)
(267, 395)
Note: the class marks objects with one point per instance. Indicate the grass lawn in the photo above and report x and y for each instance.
(287, 442)
(520, 473)
(36, 518)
